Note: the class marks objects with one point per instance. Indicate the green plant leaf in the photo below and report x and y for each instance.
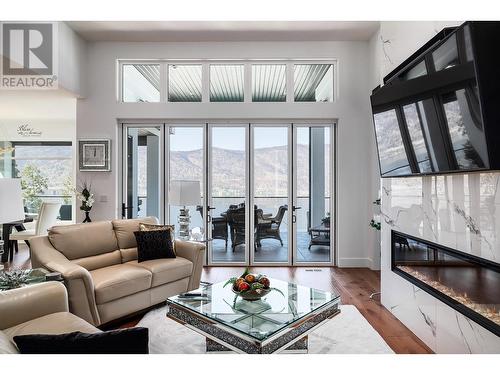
(230, 281)
(257, 286)
(247, 271)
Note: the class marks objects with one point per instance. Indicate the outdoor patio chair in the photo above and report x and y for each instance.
(269, 228)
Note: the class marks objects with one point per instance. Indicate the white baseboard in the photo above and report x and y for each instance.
(355, 263)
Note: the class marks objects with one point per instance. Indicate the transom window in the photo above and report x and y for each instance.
(141, 83)
(184, 83)
(226, 81)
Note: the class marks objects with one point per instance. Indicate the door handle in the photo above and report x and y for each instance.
(295, 208)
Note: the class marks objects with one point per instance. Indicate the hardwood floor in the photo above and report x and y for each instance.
(354, 284)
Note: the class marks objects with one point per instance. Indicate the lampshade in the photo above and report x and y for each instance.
(11, 200)
(184, 193)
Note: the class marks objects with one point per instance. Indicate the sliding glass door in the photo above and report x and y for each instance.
(313, 217)
(270, 169)
(266, 190)
(142, 172)
(227, 193)
(186, 165)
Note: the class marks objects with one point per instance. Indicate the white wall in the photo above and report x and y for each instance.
(440, 209)
(51, 112)
(98, 114)
(71, 52)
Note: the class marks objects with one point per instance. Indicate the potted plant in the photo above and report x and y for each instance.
(87, 199)
(375, 222)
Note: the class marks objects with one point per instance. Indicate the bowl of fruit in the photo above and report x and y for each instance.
(250, 287)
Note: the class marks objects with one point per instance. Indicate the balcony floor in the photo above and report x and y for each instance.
(272, 251)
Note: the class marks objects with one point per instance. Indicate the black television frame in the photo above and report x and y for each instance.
(397, 93)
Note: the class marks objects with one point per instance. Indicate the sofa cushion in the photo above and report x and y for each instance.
(84, 240)
(6, 345)
(120, 341)
(120, 280)
(155, 244)
(61, 322)
(166, 270)
(128, 254)
(124, 230)
(100, 261)
(144, 227)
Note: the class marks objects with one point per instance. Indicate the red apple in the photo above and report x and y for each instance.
(243, 286)
(265, 281)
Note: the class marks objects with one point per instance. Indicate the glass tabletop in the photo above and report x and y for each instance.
(258, 319)
(21, 277)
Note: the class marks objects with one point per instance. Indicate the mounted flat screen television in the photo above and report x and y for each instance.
(439, 111)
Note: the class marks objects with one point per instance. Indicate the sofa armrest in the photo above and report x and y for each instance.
(33, 301)
(194, 252)
(77, 279)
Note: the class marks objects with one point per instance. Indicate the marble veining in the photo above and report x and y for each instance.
(469, 221)
(428, 321)
(461, 211)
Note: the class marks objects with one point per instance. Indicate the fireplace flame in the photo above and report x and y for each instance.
(490, 312)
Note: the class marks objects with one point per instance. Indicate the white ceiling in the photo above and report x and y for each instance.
(224, 31)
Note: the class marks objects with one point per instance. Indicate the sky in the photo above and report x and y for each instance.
(187, 139)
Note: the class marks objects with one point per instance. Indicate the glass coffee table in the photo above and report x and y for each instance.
(277, 322)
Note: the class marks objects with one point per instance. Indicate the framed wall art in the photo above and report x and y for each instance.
(94, 155)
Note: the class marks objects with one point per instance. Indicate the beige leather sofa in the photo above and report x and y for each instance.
(99, 264)
(37, 309)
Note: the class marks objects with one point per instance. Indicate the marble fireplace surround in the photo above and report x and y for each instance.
(460, 211)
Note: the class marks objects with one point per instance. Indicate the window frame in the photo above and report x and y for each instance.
(287, 68)
(314, 62)
(166, 84)
(247, 77)
(246, 73)
(41, 143)
(140, 62)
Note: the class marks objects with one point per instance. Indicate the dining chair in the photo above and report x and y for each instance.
(47, 218)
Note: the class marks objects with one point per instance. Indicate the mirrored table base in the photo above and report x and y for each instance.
(293, 337)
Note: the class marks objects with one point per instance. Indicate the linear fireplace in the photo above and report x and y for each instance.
(467, 283)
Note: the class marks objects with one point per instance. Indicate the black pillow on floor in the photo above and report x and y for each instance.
(120, 341)
(154, 244)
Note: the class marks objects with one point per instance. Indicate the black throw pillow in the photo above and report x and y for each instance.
(154, 244)
(120, 341)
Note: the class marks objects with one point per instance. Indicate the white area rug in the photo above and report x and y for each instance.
(347, 333)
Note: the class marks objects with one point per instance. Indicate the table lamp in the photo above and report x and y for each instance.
(184, 193)
(11, 204)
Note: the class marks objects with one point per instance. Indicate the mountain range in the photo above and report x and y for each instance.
(228, 170)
